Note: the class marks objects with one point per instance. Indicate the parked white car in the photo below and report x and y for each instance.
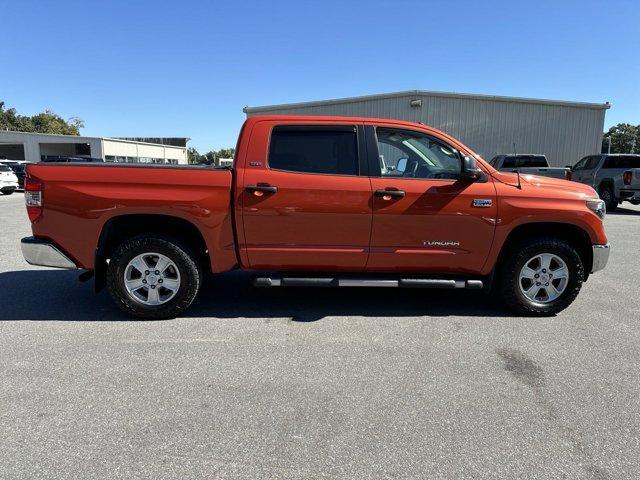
(8, 180)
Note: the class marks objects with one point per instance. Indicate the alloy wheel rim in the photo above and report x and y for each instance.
(543, 278)
(151, 279)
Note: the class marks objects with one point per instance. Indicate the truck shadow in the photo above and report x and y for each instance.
(624, 211)
(57, 295)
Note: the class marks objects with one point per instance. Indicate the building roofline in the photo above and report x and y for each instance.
(115, 139)
(495, 98)
(84, 137)
(50, 134)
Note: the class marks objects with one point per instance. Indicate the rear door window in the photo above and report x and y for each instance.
(630, 161)
(314, 149)
(534, 162)
(611, 162)
(510, 162)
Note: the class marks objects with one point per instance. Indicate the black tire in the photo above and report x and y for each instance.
(513, 261)
(606, 193)
(189, 269)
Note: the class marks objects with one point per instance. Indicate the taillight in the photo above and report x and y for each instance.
(627, 177)
(567, 174)
(33, 198)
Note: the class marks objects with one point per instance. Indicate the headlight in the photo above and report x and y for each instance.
(597, 206)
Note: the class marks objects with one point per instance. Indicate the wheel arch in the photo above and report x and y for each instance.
(573, 234)
(606, 182)
(120, 228)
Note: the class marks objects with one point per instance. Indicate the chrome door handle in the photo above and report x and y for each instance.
(261, 188)
(389, 193)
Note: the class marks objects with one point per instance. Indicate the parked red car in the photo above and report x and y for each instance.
(325, 201)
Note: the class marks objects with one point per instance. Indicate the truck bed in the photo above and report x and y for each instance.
(553, 172)
(79, 199)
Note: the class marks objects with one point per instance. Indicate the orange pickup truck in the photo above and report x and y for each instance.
(321, 202)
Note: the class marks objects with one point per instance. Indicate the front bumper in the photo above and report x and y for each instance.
(600, 257)
(41, 252)
(8, 186)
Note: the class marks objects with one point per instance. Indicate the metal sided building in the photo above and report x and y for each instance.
(34, 147)
(563, 131)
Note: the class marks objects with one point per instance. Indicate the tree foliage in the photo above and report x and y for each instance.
(622, 139)
(45, 122)
(211, 157)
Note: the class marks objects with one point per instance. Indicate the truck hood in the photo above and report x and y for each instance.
(563, 187)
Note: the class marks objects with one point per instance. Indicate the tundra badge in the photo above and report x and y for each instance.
(482, 202)
(441, 243)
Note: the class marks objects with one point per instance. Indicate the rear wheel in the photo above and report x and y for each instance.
(540, 277)
(606, 193)
(153, 277)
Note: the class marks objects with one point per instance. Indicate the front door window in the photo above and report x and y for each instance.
(408, 154)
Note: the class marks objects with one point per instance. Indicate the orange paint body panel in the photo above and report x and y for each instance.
(79, 200)
(310, 221)
(314, 222)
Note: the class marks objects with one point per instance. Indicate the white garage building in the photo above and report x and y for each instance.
(34, 147)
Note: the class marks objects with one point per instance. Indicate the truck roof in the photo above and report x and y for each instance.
(521, 155)
(329, 118)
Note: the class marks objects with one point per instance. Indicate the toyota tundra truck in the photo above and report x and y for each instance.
(319, 202)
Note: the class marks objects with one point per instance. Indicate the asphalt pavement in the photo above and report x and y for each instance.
(315, 383)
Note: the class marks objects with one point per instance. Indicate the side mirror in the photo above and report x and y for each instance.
(402, 164)
(470, 171)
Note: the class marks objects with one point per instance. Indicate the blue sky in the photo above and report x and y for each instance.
(157, 68)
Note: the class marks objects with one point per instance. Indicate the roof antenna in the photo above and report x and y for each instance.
(517, 169)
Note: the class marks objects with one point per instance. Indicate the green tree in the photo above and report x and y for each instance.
(622, 137)
(226, 153)
(193, 157)
(211, 157)
(45, 122)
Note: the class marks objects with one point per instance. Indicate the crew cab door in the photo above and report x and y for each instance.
(306, 199)
(425, 218)
(586, 169)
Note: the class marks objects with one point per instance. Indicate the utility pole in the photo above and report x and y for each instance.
(609, 149)
(633, 145)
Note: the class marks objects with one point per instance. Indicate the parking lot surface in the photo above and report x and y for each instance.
(315, 383)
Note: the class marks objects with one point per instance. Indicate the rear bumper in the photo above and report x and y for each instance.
(630, 195)
(41, 252)
(600, 257)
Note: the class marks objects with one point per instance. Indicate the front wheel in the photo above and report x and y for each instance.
(153, 277)
(606, 193)
(540, 277)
